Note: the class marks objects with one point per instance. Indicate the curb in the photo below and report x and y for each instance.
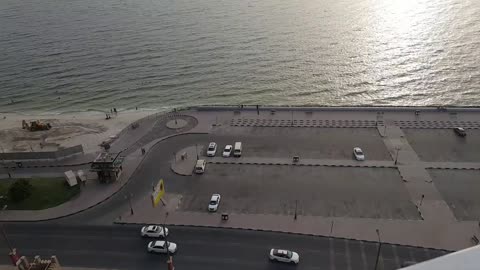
(46, 166)
(302, 164)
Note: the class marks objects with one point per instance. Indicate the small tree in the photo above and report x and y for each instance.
(20, 190)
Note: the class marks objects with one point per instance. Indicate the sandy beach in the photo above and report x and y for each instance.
(87, 128)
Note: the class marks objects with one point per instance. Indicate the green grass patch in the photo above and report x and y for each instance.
(46, 193)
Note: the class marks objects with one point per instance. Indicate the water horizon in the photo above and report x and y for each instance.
(69, 56)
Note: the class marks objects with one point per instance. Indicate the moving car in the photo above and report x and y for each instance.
(200, 166)
(154, 231)
(283, 255)
(358, 153)
(212, 149)
(227, 151)
(460, 131)
(161, 247)
(214, 202)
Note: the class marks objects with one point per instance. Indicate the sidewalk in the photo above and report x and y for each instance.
(91, 194)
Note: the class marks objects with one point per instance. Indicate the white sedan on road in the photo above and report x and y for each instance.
(214, 202)
(212, 149)
(227, 151)
(161, 247)
(282, 255)
(154, 231)
(358, 153)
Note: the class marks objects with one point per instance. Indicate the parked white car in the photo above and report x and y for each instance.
(214, 202)
(282, 255)
(227, 151)
(212, 149)
(154, 231)
(161, 247)
(358, 153)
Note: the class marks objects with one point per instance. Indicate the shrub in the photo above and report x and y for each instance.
(20, 190)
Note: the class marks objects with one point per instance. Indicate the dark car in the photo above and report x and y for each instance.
(460, 131)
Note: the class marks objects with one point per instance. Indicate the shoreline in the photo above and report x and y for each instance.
(91, 128)
(245, 106)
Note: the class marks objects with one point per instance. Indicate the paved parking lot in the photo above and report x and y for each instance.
(444, 145)
(319, 143)
(319, 191)
(459, 188)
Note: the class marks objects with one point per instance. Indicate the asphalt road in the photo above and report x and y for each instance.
(155, 166)
(121, 247)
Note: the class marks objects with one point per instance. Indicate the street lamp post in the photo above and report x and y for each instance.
(379, 248)
(292, 118)
(295, 216)
(4, 233)
(130, 202)
(421, 200)
(170, 258)
(196, 150)
(3, 163)
(396, 154)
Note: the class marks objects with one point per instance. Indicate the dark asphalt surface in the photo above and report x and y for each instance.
(155, 166)
(121, 247)
(78, 240)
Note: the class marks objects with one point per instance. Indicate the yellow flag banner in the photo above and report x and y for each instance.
(158, 193)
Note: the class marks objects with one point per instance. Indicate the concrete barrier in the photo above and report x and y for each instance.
(52, 155)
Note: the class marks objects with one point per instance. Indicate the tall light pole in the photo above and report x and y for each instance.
(396, 154)
(292, 118)
(295, 216)
(421, 200)
(4, 233)
(170, 258)
(3, 162)
(379, 248)
(129, 197)
(196, 150)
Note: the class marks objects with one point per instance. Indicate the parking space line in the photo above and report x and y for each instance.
(395, 256)
(364, 256)
(347, 255)
(332, 254)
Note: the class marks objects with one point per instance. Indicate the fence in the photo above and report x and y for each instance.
(59, 154)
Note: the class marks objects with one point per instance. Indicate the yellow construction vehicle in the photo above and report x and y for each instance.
(36, 125)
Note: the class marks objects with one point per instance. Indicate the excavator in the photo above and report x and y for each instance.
(36, 125)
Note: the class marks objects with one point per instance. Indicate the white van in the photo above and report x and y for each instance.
(237, 151)
(200, 166)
